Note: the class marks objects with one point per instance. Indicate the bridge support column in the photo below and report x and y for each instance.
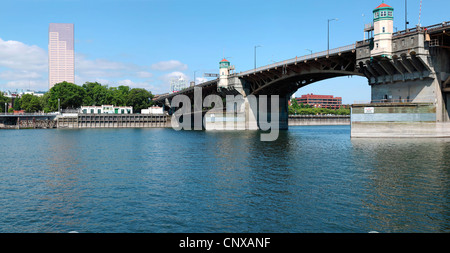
(261, 111)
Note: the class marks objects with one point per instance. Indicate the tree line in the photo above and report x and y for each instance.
(67, 95)
(305, 109)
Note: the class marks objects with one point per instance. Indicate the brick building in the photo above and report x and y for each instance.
(321, 101)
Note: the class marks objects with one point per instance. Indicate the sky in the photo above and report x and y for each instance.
(145, 43)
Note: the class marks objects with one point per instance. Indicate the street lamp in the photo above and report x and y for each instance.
(59, 110)
(5, 107)
(309, 51)
(328, 47)
(255, 55)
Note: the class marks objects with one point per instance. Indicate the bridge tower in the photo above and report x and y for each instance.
(383, 24)
(224, 72)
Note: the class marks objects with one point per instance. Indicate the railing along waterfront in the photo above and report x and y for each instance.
(301, 58)
(29, 114)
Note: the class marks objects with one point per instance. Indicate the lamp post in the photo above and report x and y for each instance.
(59, 110)
(194, 76)
(328, 45)
(406, 15)
(255, 55)
(309, 51)
(5, 107)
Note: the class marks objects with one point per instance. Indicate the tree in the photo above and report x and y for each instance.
(70, 96)
(119, 95)
(30, 103)
(3, 100)
(139, 99)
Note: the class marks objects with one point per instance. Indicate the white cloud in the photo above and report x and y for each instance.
(19, 56)
(169, 65)
(20, 74)
(25, 66)
(144, 74)
(199, 80)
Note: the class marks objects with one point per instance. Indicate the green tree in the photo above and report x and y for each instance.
(17, 105)
(30, 103)
(70, 96)
(139, 99)
(96, 94)
(294, 104)
(3, 100)
(119, 95)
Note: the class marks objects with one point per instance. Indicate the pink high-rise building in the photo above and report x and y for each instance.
(61, 60)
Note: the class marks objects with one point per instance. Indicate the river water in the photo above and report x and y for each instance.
(312, 179)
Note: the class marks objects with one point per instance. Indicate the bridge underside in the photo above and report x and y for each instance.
(284, 80)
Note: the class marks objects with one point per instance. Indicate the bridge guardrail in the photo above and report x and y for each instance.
(301, 58)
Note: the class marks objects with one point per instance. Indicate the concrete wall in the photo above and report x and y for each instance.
(409, 91)
(393, 120)
(313, 120)
(113, 121)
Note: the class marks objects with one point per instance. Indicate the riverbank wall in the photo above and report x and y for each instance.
(318, 120)
(82, 120)
(397, 120)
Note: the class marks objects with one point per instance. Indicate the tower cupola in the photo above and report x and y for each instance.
(383, 27)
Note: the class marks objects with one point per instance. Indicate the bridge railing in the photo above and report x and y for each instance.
(424, 100)
(301, 58)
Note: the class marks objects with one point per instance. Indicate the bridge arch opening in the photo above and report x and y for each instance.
(351, 88)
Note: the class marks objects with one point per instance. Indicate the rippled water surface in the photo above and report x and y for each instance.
(312, 179)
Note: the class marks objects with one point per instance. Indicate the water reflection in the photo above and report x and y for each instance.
(311, 179)
(407, 179)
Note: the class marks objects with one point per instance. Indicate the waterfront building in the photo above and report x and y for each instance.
(153, 110)
(107, 109)
(321, 101)
(61, 60)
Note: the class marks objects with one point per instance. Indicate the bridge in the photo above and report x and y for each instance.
(405, 67)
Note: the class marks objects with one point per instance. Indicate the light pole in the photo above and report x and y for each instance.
(59, 110)
(5, 107)
(194, 76)
(328, 46)
(255, 55)
(309, 51)
(406, 15)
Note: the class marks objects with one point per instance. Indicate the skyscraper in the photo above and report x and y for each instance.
(61, 60)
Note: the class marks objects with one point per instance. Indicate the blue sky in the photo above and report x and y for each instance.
(145, 43)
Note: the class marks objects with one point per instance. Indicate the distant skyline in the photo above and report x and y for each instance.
(145, 43)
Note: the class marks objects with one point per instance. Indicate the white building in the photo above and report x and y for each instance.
(107, 109)
(153, 110)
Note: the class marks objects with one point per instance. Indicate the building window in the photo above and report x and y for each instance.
(384, 29)
(390, 14)
(376, 14)
(383, 14)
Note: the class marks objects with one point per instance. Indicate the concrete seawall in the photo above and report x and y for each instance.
(397, 120)
(314, 120)
(112, 120)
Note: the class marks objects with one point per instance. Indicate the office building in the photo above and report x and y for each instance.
(321, 101)
(61, 60)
